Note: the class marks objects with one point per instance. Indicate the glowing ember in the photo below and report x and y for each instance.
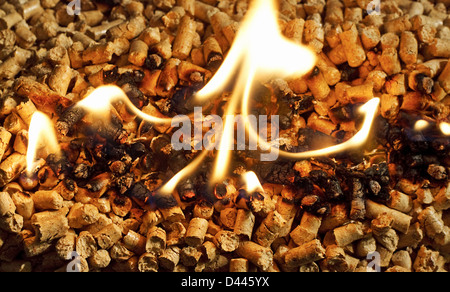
(41, 134)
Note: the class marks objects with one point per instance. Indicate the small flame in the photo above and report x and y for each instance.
(100, 100)
(40, 134)
(445, 128)
(171, 185)
(421, 125)
(252, 183)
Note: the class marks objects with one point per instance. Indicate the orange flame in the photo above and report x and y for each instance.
(252, 183)
(445, 128)
(41, 133)
(369, 109)
(100, 100)
(171, 185)
(259, 52)
(421, 125)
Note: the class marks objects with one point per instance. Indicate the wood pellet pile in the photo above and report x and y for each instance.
(384, 206)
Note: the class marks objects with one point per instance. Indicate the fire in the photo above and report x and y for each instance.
(171, 185)
(369, 109)
(252, 183)
(259, 52)
(445, 128)
(100, 100)
(41, 134)
(421, 125)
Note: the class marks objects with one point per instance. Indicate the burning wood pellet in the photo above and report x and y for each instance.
(125, 196)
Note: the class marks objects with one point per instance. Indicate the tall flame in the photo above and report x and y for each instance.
(40, 134)
(259, 52)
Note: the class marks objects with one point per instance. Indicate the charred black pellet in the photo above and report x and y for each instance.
(153, 62)
(134, 94)
(59, 163)
(95, 184)
(381, 129)
(69, 118)
(305, 184)
(425, 84)
(285, 121)
(437, 172)
(220, 190)
(112, 131)
(395, 138)
(414, 160)
(333, 188)
(111, 76)
(82, 171)
(152, 162)
(418, 145)
(183, 101)
(133, 77)
(206, 193)
(137, 150)
(124, 182)
(186, 190)
(139, 191)
(70, 184)
(163, 201)
(114, 151)
(214, 60)
(348, 73)
(302, 104)
(279, 172)
(343, 113)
